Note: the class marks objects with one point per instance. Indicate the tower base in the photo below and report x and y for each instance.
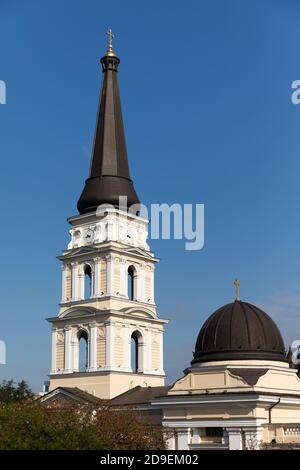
(105, 385)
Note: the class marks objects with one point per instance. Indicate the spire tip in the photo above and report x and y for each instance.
(237, 284)
(110, 51)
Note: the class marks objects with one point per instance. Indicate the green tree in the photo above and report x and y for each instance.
(128, 429)
(11, 392)
(30, 425)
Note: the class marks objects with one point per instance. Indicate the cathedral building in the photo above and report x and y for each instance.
(241, 390)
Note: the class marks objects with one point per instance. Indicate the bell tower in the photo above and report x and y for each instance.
(107, 337)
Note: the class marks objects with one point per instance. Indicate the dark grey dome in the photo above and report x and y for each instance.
(238, 331)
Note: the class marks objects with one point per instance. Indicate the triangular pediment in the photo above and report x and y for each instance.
(64, 396)
(83, 250)
(87, 250)
(139, 252)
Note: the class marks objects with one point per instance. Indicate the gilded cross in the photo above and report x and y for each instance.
(110, 35)
(237, 289)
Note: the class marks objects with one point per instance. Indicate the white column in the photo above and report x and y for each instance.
(141, 355)
(140, 283)
(148, 351)
(93, 347)
(97, 267)
(110, 274)
(127, 348)
(183, 438)
(63, 280)
(80, 283)
(75, 281)
(75, 355)
(109, 345)
(124, 280)
(68, 349)
(195, 436)
(235, 438)
(171, 442)
(253, 437)
(152, 285)
(53, 352)
(111, 229)
(161, 352)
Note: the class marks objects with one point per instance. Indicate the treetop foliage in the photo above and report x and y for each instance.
(29, 424)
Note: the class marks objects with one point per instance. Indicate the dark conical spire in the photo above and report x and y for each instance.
(109, 175)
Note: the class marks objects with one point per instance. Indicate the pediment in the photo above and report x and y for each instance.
(78, 312)
(139, 252)
(83, 250)
(142, 312)
(64, 396)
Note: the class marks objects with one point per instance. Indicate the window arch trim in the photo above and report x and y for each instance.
(132, 282)
(139, 344)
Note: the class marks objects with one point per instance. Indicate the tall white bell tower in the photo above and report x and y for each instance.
(107, 337)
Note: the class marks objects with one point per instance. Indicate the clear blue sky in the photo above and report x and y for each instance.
(205, 89)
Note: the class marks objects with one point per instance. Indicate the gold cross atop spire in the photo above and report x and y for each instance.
(110, 35)
(237, 289)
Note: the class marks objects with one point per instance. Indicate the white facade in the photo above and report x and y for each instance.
(218, 406)
(107, 301)
(109, 225)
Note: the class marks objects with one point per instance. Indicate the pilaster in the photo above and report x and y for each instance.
(68, 349)
(63, 285)
(93, 347)
(109, 345)
(183, 438)
(127, 347)
(152, 299)
(148, 351)
(53, 352)
(235, 440)
(75, 286)
(110, 274)
(123, 276)
(161, 353)
(96, 278)
(75, 355)
(140, 283)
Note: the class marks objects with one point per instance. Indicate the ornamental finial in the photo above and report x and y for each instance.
(110, 51)
(237, 289)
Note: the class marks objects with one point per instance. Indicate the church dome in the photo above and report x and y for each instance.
(239, 331)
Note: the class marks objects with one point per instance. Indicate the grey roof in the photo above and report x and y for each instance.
(136, 396)
(139, 395)
(73, 393)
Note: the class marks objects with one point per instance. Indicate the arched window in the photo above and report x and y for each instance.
(132, 283)
(83, 351)
(87, 281)
(136, 352)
